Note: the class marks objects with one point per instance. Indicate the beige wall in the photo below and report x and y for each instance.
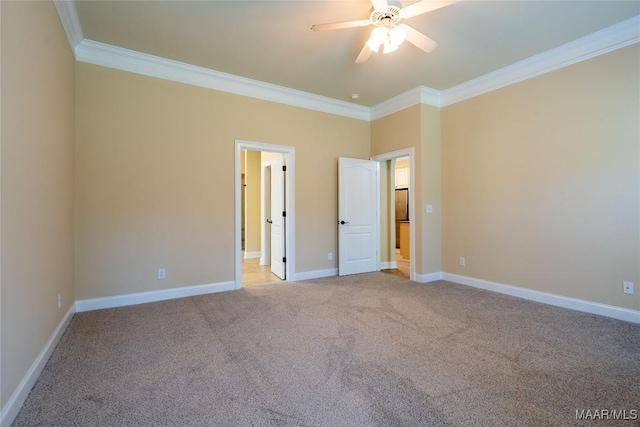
(402, 162)
(253, 190)
(541, 182)
(417, 127)
(268, 156)
(154, 174)
(37, 184)
(430, 190)
(395, 132)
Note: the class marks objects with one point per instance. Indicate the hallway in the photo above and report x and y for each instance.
(404, 265)
(255, 274)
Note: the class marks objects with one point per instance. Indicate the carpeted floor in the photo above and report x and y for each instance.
(365, 350)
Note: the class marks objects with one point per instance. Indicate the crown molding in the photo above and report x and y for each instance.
(607, 40)
(70, 22)
(430, 96)
(417, 95)
(141, 63)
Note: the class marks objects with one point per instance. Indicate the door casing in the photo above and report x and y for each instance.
(410, 152)
(289, 153)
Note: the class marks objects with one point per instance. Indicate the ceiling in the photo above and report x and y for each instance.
(272, 41)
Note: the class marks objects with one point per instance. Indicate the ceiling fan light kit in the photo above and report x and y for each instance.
(385, 16)
(391, 38)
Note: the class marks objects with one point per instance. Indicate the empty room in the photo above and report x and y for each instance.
(319, 213)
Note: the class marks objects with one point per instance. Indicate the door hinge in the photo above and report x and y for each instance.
(284, 213)
(284, 168)
(284, 259)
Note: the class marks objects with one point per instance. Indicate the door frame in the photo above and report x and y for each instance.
(289, 153)
(410, 152)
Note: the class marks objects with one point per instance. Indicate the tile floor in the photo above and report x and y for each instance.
(255, 274)
(404, 265)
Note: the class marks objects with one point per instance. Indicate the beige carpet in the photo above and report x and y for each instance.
(365, 350)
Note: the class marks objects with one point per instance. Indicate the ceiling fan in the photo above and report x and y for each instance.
(389, 32)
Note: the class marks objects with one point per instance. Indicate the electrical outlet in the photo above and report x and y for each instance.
(461, 262)
(627, 287)
(59, 301)
(162, 274)
(329, 256)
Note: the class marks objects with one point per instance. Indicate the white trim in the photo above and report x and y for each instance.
(15, 402)
(387, 265)
(547, 298)
(290, 191)
(149, 65)
(415, 96)
(429, 277)
(248, 255)
(377, 196)
(151, 296)
(609, 39)
(410, 152)
(317, 274)
(70, 22)
(391, 196)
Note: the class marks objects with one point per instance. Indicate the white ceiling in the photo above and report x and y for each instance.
(271, 41)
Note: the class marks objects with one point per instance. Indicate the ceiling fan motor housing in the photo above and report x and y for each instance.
(388, 17)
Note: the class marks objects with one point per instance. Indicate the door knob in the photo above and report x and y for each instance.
(269, 221)
(344, 222)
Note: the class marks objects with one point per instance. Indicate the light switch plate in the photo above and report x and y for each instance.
(429, 208)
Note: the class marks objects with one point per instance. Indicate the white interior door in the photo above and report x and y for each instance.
(278, 252)
(265, 215)
(357, 216)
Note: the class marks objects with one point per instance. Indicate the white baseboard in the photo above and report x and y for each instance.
(11, 409)
(152, 296)
(429, 277)
(248, 255)
(388, 264)
(317, 274)
(547, 298)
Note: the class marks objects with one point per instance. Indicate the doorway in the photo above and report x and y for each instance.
(401, 176)
(400, 249)
(255, 213)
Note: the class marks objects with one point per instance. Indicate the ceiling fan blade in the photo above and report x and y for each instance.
(380, 4)
(424, 6)
(365, 53)
(417, 38)
(341, 25)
